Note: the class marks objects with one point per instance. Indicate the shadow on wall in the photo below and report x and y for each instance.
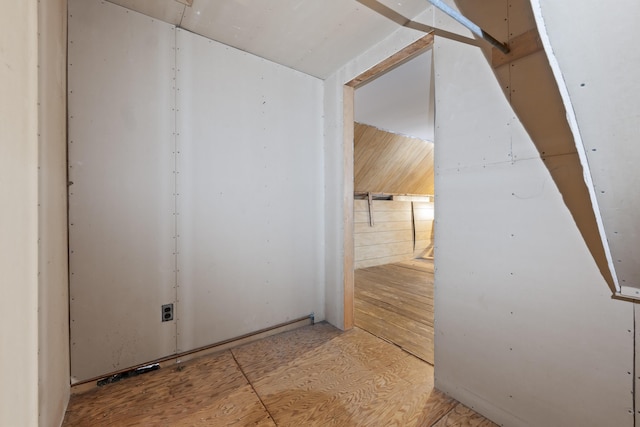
(530, 87)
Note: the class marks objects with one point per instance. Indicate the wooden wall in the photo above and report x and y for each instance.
(400, 230)
(389, 163)
(423, 215)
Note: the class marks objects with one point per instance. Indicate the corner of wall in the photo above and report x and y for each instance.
(53, 298)
(18, 218)
(333, 200)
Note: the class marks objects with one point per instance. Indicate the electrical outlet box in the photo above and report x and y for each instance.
(167, 312)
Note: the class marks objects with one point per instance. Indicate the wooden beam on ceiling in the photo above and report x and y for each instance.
(398, 58)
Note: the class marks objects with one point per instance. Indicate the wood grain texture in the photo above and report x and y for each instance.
(350, 379)
(520, 46)
(313, 376)
(398, 58)
(395, 302)
(461, 416)
(385, 162)
(207, 391)
(423, 217)
(390, 239)
(347, 197)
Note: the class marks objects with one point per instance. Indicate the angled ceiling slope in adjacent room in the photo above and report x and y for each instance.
(400, 101)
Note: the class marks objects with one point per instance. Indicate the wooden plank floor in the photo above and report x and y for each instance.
(312, 376)
(395, 302)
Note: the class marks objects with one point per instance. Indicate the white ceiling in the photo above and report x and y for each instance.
(316, 37)
(400, 101)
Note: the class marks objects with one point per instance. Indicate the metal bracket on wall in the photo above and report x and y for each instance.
(370, 200)
(399, 19)
(475, 29)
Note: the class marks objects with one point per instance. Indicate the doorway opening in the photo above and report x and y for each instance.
(388, 200)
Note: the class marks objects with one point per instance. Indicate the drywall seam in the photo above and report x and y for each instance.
(176, 152)
(634, 383)
(575, 130)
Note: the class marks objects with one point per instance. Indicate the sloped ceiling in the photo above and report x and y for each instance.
(315, 37)
(389, 163)
(400, 101)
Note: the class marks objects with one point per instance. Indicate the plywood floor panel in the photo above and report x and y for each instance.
(395, 302)
(208, 390)
(462, 416)
(312, 376)
(420, 345)
(354, 376)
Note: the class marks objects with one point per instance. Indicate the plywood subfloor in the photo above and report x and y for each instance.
(395, 302)
(313, 376)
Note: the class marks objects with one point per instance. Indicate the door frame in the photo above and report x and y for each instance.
(404, 55)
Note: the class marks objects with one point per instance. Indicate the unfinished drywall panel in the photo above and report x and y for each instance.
(53, 293)
(19, 215)
(169, 11)
(250, 192)
(121, 187)
(492, 141)
(520, 302)
(313, 37)
(538, 113)
(600, 86)
(538, 109)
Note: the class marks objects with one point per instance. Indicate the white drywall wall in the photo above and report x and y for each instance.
(122, 185)
(19, 214)
(526, 331)
(205, 192)
(600, 88)
(250, 185)
(53, 298)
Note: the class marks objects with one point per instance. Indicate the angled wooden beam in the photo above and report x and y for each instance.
(398, 58)
(523, 45)
(402, 20)
(186, 2)
(473, 27)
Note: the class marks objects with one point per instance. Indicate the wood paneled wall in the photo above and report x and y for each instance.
(401, 230)
(389, 163)
(423, 214)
